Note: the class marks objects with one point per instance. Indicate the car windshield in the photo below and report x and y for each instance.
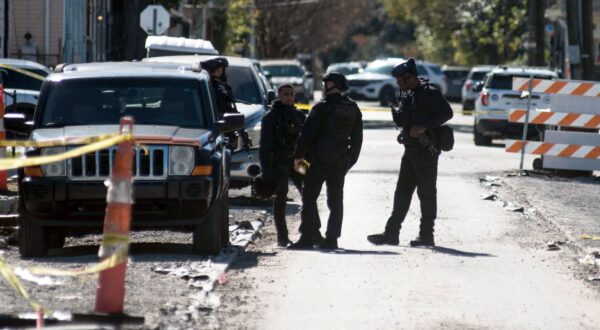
(151, 101)
(478, 75)
(284, 70)
(456, 74)
(16, 80)
(504, 81)
(436, 69)
(380, 67)
(244, 85)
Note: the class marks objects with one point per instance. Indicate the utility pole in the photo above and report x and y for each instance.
(587, 39)
(574, 28)
(536, 43)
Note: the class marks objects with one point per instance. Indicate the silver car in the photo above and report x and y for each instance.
(476, 76)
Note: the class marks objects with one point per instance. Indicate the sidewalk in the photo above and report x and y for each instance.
(570, 204)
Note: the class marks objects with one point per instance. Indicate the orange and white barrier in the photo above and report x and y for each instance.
(562, 87)
(556, 118)
(554, 149)
(572, 104)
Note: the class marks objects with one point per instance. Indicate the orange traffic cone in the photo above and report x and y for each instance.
(110, 295)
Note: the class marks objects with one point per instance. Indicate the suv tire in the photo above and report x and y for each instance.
(207, 235)
(33, 239)
(387, 93)
(56, 240)
(224, 212)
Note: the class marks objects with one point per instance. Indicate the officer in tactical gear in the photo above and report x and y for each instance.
(280, 129)
(422, 108)
(217, 69)
(330, 141)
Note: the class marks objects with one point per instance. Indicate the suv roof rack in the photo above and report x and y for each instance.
(60, 68)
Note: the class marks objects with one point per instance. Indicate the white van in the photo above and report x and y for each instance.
(167, 46)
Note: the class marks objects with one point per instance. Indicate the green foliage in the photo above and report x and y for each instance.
(464, 32)
(241, 17)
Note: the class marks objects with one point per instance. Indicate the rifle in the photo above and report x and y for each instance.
(247, 142)
(425, 141)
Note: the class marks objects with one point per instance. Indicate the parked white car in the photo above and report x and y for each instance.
(497, 98)
(290, 72)
(22, 80)
(375, 82)
(475, 76)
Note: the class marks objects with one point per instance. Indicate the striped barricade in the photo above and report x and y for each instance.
(572, 104)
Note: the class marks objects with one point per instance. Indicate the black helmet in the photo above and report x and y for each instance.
(408, 66)
(338, 79)
(265, 187)
(214, 63)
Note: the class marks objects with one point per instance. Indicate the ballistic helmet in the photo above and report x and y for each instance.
(265, 187)
(338, 79)
(408, 66)
(214, 63)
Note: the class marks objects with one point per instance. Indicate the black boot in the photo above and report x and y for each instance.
(423, 240)
(283, 241)
(318, 238)
(384, 238)
(304, 243)
(329, 244)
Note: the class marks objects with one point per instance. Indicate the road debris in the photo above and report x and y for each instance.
(593, 238)
(513, 207)
(594, 278)
(40, 280)
(489, 178)
(491, 197)
(554, 245)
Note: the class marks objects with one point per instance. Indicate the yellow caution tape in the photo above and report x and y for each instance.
(12, 163)
(593, 238)
(55, 143)
(24, 72)
(16, 284)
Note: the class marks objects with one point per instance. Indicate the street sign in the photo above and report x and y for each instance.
(154, 20)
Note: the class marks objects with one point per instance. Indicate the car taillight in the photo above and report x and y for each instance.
(485, 98)
(468, 86)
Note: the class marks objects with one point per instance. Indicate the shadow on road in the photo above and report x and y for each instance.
(249, 259)
(462, 128)
(357, 252)
(459, 253)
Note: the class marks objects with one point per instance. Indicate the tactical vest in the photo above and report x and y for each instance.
(342, 119)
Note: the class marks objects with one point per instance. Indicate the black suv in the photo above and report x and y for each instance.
(181, 168)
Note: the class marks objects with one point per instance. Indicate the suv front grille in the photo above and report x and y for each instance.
(98, 165)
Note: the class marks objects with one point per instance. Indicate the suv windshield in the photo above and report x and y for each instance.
(284, 70)
(380, 67)
(153, 101)
(16, 80)
(478, 75)
(244, 85)
(504, 81)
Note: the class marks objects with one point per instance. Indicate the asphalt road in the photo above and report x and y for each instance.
(491, 269)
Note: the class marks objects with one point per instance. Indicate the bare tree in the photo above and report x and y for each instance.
(286, 27)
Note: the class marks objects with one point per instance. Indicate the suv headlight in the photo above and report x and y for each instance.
(56, 168)
(181, 160)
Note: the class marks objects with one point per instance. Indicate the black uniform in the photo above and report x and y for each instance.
(279, 131)
(330, 140)
(423, 106)
(224, 98)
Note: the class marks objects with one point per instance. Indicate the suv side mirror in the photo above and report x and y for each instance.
(271, 96)
(231, 122)
(17, 123)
